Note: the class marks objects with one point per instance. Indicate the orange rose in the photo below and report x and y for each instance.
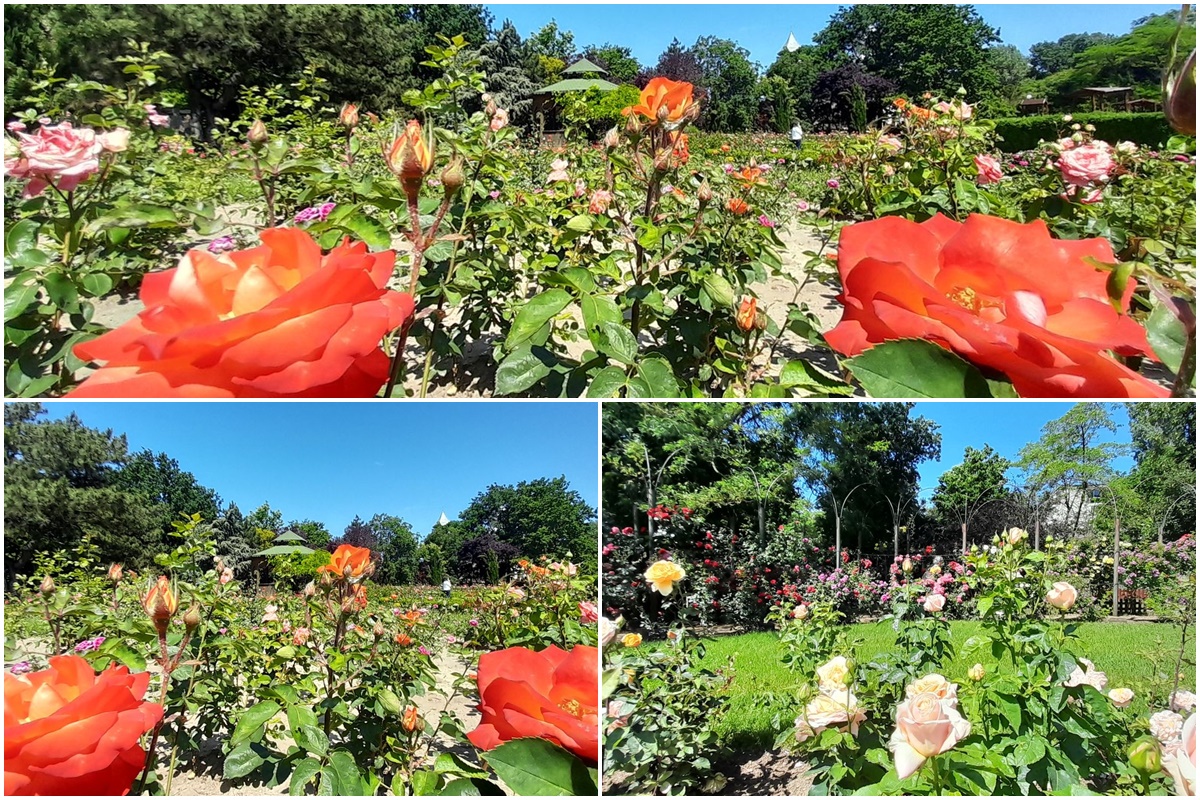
(412, 719)
(663, 100)
(679, 148)
(550, 695)
(403, 640)
(746, 314)
(279, 320)
(408, 156)
(160, 603)
(1003, 295)
(737, 205)
(69, 731)
(750, 177)
(348, 562)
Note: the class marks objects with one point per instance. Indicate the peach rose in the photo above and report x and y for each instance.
(1121, 698)
(1181, 763)
(115, 141)
(1062, 596)
(934, 603)
(1085, 165)
(608, 630)
(988, 170)
(281, 320)
(663, 575)
(1089, 676)
(800, 611)
(925, 727)
(830, 709)
(935, 685)
(69, 731)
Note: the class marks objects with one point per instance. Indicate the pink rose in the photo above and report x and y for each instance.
(499, 119)
(1181, 764)
(115, 141)
(57, 155)
(1085, 165)
(934, 603)
(1062, 596)
(588, 613)
(925, 727)
(988, 170)
(601, 198)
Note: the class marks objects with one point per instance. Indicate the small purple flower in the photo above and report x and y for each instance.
(222, 244)
(319, 213)
(494, 194)
(833, 183)
(222, 631)
(20, 668)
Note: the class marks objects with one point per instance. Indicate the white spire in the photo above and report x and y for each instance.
(444, 520)
(792, 45)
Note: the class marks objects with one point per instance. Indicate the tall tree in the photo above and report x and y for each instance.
(616, 59)
(315, 533)
(919, 48)
(511, 73)
(236, 539)
(967, 490)
(1162, 485)
(397, 550)
(1047, 58)
(539, 517)
(680, 64)
(1070, 456)
(800, 70)
(730, 81)
(172, 491)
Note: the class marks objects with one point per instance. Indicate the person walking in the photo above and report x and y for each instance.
(797, 134)
(446, 587)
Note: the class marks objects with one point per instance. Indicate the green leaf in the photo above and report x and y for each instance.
(312, 739)
(138, 215)
(368, 230)
(523, 367)
(608, 382)
(615, 341)
(915, 368)
(535, 314)
(659, 377)
(302, 775)
(609, 682)
(97, 284)
(450, 763)
(252, 721)
(390, 701)
(471, 787)
(425, 782)
(597, 310)
(241, 761)
(346, 778)
(1029, 750)
(717, 288)
(17, 299)
(1167, 336)
(580, 223)
(535, 767)
(21, 237)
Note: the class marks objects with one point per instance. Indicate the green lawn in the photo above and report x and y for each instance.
(763, 687)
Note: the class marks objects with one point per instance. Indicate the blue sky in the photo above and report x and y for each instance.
(331, 461)
(763, 29)
(1006, 426)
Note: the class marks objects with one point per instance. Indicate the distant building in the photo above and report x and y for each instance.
(579, 77)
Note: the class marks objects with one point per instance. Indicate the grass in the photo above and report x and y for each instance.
(763, 687)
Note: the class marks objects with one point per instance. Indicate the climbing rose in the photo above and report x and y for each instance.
(280, 320)
(1003, 295)
(550, 694)
(69, 731)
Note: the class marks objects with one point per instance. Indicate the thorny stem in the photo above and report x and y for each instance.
(54, 626)
(1187, 366)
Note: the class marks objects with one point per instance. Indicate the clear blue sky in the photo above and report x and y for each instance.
(1006, 426)
(647, 29)
(331, 461)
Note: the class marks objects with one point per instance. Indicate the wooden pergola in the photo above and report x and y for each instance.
(1106, 96)
(1034, 105)
(579, 77)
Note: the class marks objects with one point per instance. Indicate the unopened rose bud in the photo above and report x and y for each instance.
(1179, 97)
(161, 603)
(907, 566)
(409, 157)
(326, 580)
(310, 589)
(612, 139)
(693, 112)
(1145, 755)
(257, 135)
(761, 320)
(411, 721)
(115, 573)
(378, 630)
(452, 176)
(704, 193)
(490, 107)
(192, 618)
(664, 113)
(633, 126)
(47, 587)
(349, 116)
(976, 673)
(348, 605)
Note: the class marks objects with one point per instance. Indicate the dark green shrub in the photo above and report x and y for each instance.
(1023, 133)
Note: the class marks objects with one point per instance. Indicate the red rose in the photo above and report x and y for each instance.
(1003, 295)
(279, 320)
(550, 695)
(69, 731)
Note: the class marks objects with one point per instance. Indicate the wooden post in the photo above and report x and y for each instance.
(1116, 559)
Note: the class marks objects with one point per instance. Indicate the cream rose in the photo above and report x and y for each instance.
(1121, 697)
(1182, 701)
(831, 677)
(1062, 596)
(934, 603)
(1089, 675)
(800, 611)
(1167, 727)
(925, 727)
(115, 141)
(935, 685)
(663, 575)
(829, 709)
(608, 630)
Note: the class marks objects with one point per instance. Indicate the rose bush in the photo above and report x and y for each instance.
(69, 731)
(281, 320)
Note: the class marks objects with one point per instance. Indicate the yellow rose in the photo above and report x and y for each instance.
(831, 677)
(631, 639)
(663, 575)
(935, 685)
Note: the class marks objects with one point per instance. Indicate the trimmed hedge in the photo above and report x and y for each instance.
(1022, 133)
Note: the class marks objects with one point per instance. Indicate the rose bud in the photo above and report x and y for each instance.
(633, 126)
(192, 618)
(746, 314)
(611, 139)
(378, 630)
(452, 176)
(760, 320)
(348, 605)
(47, 587)
(976, 673)
(1179, 97)
(907, 566)
(115, 573)
(411, 720)
(409, 157)
(349, 116)
(310, 589)
(1146, 756)
(161, 603)
(257, 135)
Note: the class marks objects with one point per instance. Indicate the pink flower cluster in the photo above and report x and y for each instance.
(61, 156)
